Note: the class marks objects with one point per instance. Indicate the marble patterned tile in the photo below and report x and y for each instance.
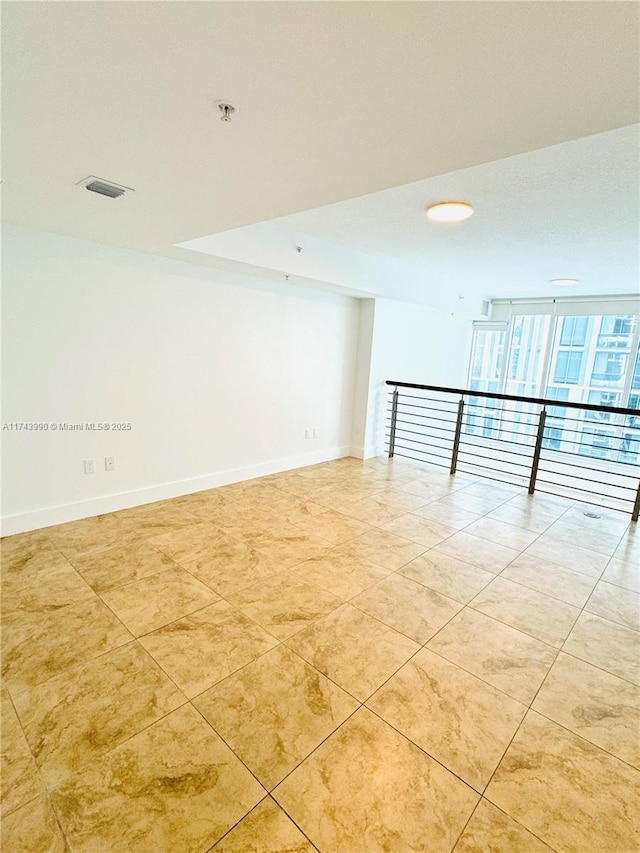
(20, 780)
(353, 649)
(33, 828)
(382, 548)
(340, 574)
(448, 575)
(398, 499)
(155, 601)
(116, 567)
(428, 491)
(494, 489)
(245, 522)
(498, 654)
(502, 533)
(266, 829)
(202, 649)
(605, 644)
(410, 608)
(296, 510)
(190, 542)
(53, 585)
(16, 551)
(30, 558)
(587, 532)
(290, 547)
(72, 718)
(530, 611)
(205, 502)
(478, 552)
(368, 788)
(475, 503)
(461, 721)
(88, 535)
(425, 531)
(598, 706)
(567, 792)
(550, 579)
(446, 514)
(569, 556)
(174, 786)
(367, 510)
(533, 517)
(334, 527)
(623, 573)
(144, 522)
(629, 547)
(284, 604)
(234, 565)
(493, 831)
(54, 642)
(609, 520)
(274, 712)
(613, 602)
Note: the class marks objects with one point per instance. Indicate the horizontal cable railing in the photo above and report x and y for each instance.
(572, 449)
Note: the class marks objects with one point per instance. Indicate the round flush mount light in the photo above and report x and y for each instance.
(449, 211)
(564, 282)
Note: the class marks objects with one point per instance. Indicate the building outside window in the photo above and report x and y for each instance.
(581, 359)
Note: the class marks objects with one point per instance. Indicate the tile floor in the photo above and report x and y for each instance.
(349, 658)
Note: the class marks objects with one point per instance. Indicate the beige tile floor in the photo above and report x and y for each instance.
(354, 657)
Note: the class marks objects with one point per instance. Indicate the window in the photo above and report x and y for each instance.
(526, 360)
(566, 358)
(615, 331)
(602, 398)
(568, 364)
(635, 382)
(552, 438)
(574, 331)
(557, 394)
(486, 360)
(608, 368)
(596, 442)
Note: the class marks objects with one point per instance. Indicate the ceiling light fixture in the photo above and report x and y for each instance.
(564, 282)
(449, 211)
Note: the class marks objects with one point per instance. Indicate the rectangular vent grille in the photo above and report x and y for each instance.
(104, 187)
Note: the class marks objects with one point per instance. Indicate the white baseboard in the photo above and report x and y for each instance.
(365, 452)
(36, 519)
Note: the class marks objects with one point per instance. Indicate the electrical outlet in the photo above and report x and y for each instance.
(89, 466)
(316, 433)
(307, 433)
(109, 463)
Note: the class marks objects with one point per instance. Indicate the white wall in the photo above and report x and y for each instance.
(410, 343)
(218, 374)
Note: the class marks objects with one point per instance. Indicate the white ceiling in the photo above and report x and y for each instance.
(338, 101)
(570, 210)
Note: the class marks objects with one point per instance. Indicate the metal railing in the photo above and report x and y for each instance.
(571, 449)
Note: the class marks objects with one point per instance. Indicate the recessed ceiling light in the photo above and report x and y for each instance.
(449, 211)
(564, 282)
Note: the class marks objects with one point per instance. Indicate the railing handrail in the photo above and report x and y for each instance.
(541, 401)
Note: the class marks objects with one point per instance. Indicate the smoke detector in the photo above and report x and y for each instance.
(103, 187)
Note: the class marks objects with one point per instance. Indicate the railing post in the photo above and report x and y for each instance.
(394, 415)
(537, 451)
(456, 437)
(636, 506)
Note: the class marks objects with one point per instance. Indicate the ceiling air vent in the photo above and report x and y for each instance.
(102, 187)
